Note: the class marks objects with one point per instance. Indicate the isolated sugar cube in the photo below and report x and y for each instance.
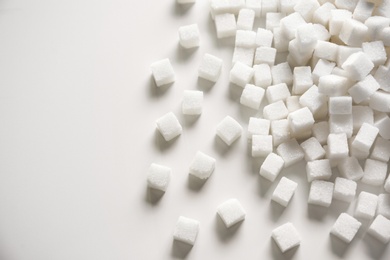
(383, 205)
(321, 193)
(338, 145)
(312, 149)
(318, 170)
(275, 111)
(350, 168)
(169, 126)
(202, 166)
(280, 130)
(262, 75)
(291, 152)
(159, 177)
(366, 205)
(264, 37)
(192, 102)
(226, 25)
(344, 189)
(271, 166)
(229, 130)
(345, 227)
(365, 137)
(189, 36)
(186, 230)
(277, 92)
(162, 72)
(245, 19)
(284, 191)
(374, 172)
(358, 65)
(246, 39)
(286, 237)
(252, 96)
(231, 212)
(380, 229)
(210, 67)
(381, 149)
(262, 145)
(301, 120)
(258, 126)
(241, 74)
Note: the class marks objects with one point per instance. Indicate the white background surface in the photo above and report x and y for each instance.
(77, 135)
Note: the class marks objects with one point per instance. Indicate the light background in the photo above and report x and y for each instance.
(77, 135)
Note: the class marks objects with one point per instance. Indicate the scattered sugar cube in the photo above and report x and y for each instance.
(380, 101)
(375, 51)
(358, 65)
(246, 39)
(226, 25)
(275, 111)
(381, 150)
(375, 26)
(264, 37)
(341, 124)
(286, 237)
(210, 67)
(262, 75)
(159, 177)
(374, 172)
(189, 36)
(383, 124)
(336, 20)
(366, 205)
(363, 10)
(382, 76)
(321, 131)
(353, 32)
(231, 212)
(186, 230)
(243, 55)
(326, 50)
(265, 55)
(241, 74)
(322, 14)
(350, 168)
(284, 191)
(258, 126)
(318, 170)
(245, 19)
(313, 100)
(380, 229)
(291, 152)
(223, 6)
(338, 145)
(202, 166)
(162, 72)
(344, 52)
(345, 227)
(169, 126)
(344, 189)
(280, 130)
(383, 205)
(292, 103)
(364, 89)
(358, 154)
(322, 68)
(321, 193)
(277, 92)
(332, 85)
(252, 96)
(229, 130)
(301, 120)
(365, 137)
(280, 40)
(306, 8)
(346, 4)
(262, 145)
(192, 102)
(340, 105)
(271, 166)
(281, 73)
(302, 80)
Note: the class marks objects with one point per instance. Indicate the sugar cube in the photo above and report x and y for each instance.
(321, 193)
(380, 229)
(344, 52)
(291, 152)
(264, 37)
(277, 92)
(374, 172)
(318, 170)
(162, 72)
(353, 32)
(313, 99)
(261, 145)
(292, 103)
(272, 20)
(365, 137)
(366, 205)
(301, 120)
(245, 19)
(382, 76)
(262, 75)
(286, 237)
(381, 150)
(158, 177)
(326, 50)
(280, 40)
(307, 8)
(338, 145)
(345, 227)
(246, 39)
(265, 55)
(383, 205)
(341, 124)
(241, 74)
(192, 102)
(231, 212)
(186, 230)
(354, 152)
(350, 168)
(337, 18)
(210, 67)
(252, 96)
(223, 6)
(268, 6)
(383, 124)
(202, 166)
(380, 101)
(229, 130)
(189, 36)
(271, 166)
(169, 126)
(280, 130)
(226, 25)
(258, 126)
(341, 105)
(321, 131)
(243, 55)
(322, 68)
(344, 189)
(281, 73)
(284, 191)
(322, 14)
(332, 85)
(363, 10)
(375, 51)
(363, 89)
(375, 26)
(302, 80)
(358, 65)
(275, 111)
(255, 5)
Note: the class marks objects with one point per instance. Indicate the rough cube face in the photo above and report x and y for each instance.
(381, 150)
(245, 19)
(271, 166)
(345, 227)
(301, 120)
(332, 85)
(262, 145)
(252, 96)
(344, 189)
(384, 205)
(366, 205)
(241, 74)
(277, 92)
(350, 168)
(284, 191)
(361, 115)
(321, 193)
(286, 237)
(380, 101)
(262, 75)
(340, 105)
(229, 130)
(243, 55)
(245, 39)
(264, 37)
(380, 229)
(318, 170)
(210, 67)
(365, 137)
(353, 32)
(280, 131)
(374, 172)
(192, 102)
(265, 55)
(375, 51)
(302, 80)
(202, 166)
(159, 177)
(312, 149)
(275, 111)
(281, 73)
(169, 126)
(341, 124)
(231, 212)
(226, 25)
(292, 103)
(338, 146)
(186, 230)
(291, 152)
(258, 126)
(162, 72)
(321, 131)
(358, 65)
(189, 36)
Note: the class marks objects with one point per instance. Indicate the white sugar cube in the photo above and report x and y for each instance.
(159, 177)
(186, 230)
(358, 65)
(340, 105)
(284, 191)
(381, 150)
(353, 32)
(202, 166)
(375, 26)
(268, 6)
(291, 152)
(374, 172)
(252, 96)
(262, 75)
(375, 51)
(306, 37)
(189, 36)
(321, 131)
(280, 40)
(264, 37)
(192, 102)
(262, 145)
(280, 130)
(275, 111)
(229, 130)
(281, 73)
(265, 55)
(321, 193)
(338, 145)
(345, 227)
(210, 67)
(301, 120)
(344, 52)
(326, 50)
(350, 168)
(366, 205)
(382, 76)
(245, 19)
(336, 20)
(241, 74)
(169, 126)
(313, 99)
(286, 237)
(380, 229)
(287, 6)
(344, 189)
(246, 39)
(322, 68)
(365, 137)
(364, 89)
(302, 80)
(322, 14)
(363, 10)
(258, 126)
(162, 72)
(231, 212)
(243, 55)
(385, 36)
(272, 20)
(354, 152)
(341, 124)
(226, 25)
(383, 205)
(380, 101)
(271, 166)
(332, 85)
(383, 124)
(306, 8)
(292, 103)
(277, 92)
(255, 5)
(318, 170)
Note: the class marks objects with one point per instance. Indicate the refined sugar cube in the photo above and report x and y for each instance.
(365, 137)
(381, 150)
(284, 191)
(374, 172)
(169, 126)
(272, 20)
(231, 212)
(210, 67)
(321, 193)
(346, 4)
(262, 75)
(321, 131)
(306, 38)
(192, 102)
(286, 237)
(313, 100)
(241, 74)
(246, 39)
(243, 55)
(361, 115)
(271, 166)
(226, 25)
(340, 105)
(318, 170)
(322, 68)
(162, 72)
(275, 111)
(375, 51)
(252, 96)
(307, 8)
(186, 230)
(189, 36)
(366, 205)
(380, 229)
(291, 152)
(344, 52)
(280, 131)
(341, 124)
(262, 145)
(159, 177)
(380, 101)
(280, 40)
(350, 168)
(229, 130)
(363, 10)
(292, 103)
(358, 154)
(302, 80)
(375, 25)
(322, 14)
(344, 189)
(332, 85)
(264, 37)
(312, 149)
(345, 227)
(281, 73)
(364, 89)
(326, 50)
(245, 19)
(258, 126)
(301, 120)
(223, 6)
(383, 124)
(382, 76)
(287, 6)
(353, 32)
(337, 18)
(358, 65)
(265, 55)
(383, 205)
(277, 92)
(202, 166)
(338, 145)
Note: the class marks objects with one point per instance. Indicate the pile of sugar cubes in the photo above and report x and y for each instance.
(327, 101)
